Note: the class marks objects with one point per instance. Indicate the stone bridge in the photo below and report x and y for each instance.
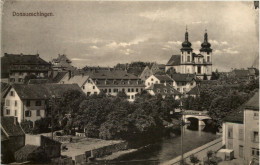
(202, 116)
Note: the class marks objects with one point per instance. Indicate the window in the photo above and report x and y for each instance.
(137, 90)
(149, 84)
(188, 59)
(183, 83)
(94, 87)
(256, 115)
(38, 103)
(7, 102)
(133, 89)
(199, 69)
(156, 82)
(255, 152)
(27, 113)
(141, 89)
(12, 93)
(109, 90)
(115, 90)
(15, 103)
(28, 103)
(241, 134)
(128, 97)
(83, 87)
(38, 113)
(178, 89)
(241, 151)
(105, 90)
(230, 144)
(191, 83)
(15, 112)
(255, 137)
(152, 79)
(88, 93)
(208, 58)
(132, 96)
(182, 58)
(129, 90)
(230, 133)
(7, 111)
(123, 90)
(12, 79)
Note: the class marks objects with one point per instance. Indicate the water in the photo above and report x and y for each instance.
(169, 148)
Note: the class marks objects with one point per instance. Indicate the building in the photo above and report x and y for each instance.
(15, 67)
(12, 138)
(111, 82)
(62, 63)
(195, 91)
(152, 69)
(30, 101)
(158, 79)
(165, 90)
(191, 63)
(184, 82)
(241, 131)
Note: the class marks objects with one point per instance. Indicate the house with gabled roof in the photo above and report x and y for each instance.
(30, 101)
(241, 131)
(16, 67)
(158, 79)
(184, 82)
(62, 62)
(111, 82)
(151, 69)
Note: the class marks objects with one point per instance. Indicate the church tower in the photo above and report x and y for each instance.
(206, 51)
(186, 55)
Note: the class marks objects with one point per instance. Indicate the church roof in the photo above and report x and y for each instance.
(174, 60)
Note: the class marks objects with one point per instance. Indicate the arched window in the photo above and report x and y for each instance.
(188, 59)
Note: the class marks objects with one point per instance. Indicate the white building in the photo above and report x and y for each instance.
(30, 101)
(158, 79)
(191, 63)
(184, 82)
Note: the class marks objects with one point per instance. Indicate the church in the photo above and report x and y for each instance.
(189, 62)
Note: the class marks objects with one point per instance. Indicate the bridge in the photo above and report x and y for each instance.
(202, 116)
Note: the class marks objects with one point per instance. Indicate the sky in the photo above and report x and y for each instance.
(104, 33)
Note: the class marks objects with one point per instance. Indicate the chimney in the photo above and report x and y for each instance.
(15, 121)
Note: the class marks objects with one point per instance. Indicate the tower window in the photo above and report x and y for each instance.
(188, 59)
(208, 58)
(188, 52)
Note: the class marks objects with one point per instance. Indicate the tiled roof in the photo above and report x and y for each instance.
(78, 79)
(4, 89)
(164, 78)
(11, 59)
(194, 91)
(236, 116)
(9, 126)
(178, 77)
(241, 73)
(37, 81)
(58, 77)
(174, 60)
(113, 74)
(60, 58)
(43, 91)
(253, 103)
(3, 136)
(23, 153)
(119, 83)
(163, 89)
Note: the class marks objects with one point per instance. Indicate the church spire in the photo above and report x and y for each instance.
(205, 46)
(186, 45)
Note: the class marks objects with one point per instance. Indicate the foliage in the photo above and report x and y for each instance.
(194, 159)
(205, 77)
(27, 126)
(215, 75)
(29, 77)
(209, 154)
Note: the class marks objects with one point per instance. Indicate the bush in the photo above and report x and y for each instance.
(27, 126)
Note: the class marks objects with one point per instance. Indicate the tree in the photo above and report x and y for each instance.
(122, 95)
(209, 154)
(29, 77)
(194, 159)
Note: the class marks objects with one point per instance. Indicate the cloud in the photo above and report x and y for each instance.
(79, 59)
(174, 42)
(226, 51)
(199, 22)
(94, 47)
(218, 43)
(114, 44)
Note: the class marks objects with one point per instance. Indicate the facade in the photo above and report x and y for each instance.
(62, 63)
(111, 82)
(30, 101)
(158, 79)
(189, 62)
(12, 138)
(164, 90)
(152, 69)
(184, 82)
(241, 132)
(16, 67)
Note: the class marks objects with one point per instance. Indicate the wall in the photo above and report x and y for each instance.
(12, 144)
(32, 139)
(12, 106)
(151, 80)
(33, 108)
(236, 140)
(200, 152)
(251, 125)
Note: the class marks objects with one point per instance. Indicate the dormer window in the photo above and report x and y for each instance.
(152, 79)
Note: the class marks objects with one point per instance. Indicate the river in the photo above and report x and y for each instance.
(169, 148)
